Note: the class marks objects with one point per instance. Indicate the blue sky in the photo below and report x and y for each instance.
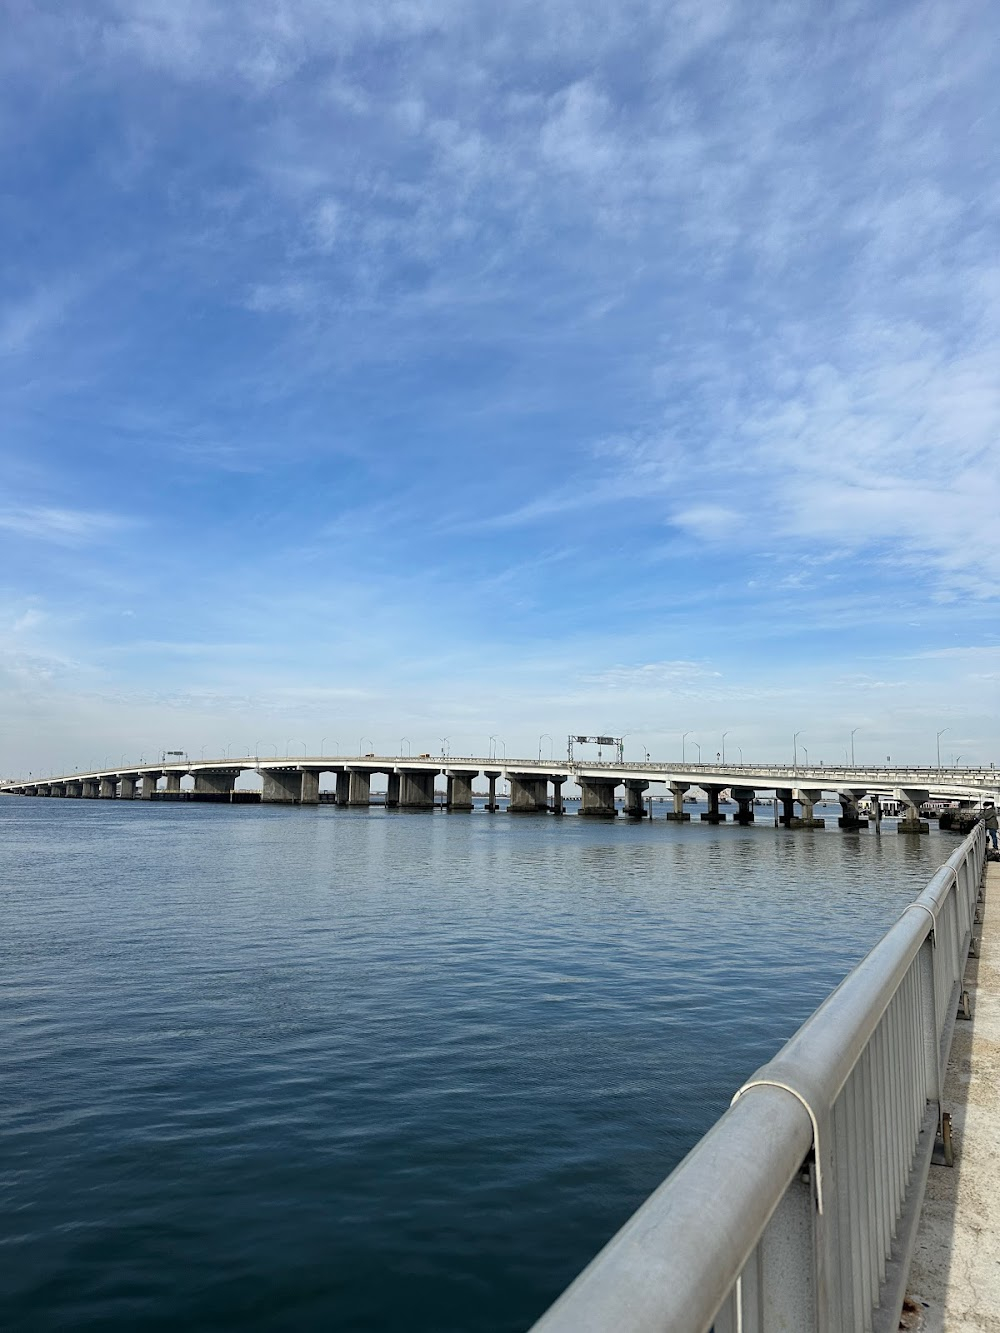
(432, 369)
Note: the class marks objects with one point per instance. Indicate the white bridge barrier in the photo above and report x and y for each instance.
(798, 1210)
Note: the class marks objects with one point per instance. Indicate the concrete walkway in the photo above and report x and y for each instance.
(955, 1274)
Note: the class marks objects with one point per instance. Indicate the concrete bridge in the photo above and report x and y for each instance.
(537, 786)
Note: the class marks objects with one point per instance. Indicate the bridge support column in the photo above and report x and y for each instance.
(217, 783)
(359, 791)
(634, 787)
(850, 817)
(491, 802)
(909, 820)
(172, 783)
(343, 787)
(106, 789)
(460, 788)
(129, 783)
(310, 788)
(597, 797)
(557, 796)
(90, 787)
(73, 789)
(786, 797)
(743, 796)
(807, 800)
(416, 788)
(392, 792)
(281, 786)
(529, 795)
(713, 815)
(149, 781)
(679, 790)
(53, 789)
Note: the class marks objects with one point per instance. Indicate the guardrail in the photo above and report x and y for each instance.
(798, 1209)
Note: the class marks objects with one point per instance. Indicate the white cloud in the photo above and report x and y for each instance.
(64, 527)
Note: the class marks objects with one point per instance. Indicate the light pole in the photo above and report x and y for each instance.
(683, 739)
(361, 743)
(304, 750)
(795, 749)
(544, 737)
(288, 748)
(939, 735)
(698, 748)
(852, 747)
(229, 746)
(740, 748)
(203, 752)
(646, 753)
(444, 745)
(409, 747)
(806, 752)
(724, 735)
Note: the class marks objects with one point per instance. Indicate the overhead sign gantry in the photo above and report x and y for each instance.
(602, 742)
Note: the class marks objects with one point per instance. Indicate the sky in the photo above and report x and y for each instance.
(394, 375)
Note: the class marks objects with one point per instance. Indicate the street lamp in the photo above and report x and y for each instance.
(683, 739)
(646, 753)
(698, 748)
(807, 755)
(544, 737)
(740, 748)
(852, 746)
(304, 750)
(229, 746)
(361, 744)
(409, 747)
(444, 745)
(795, 749)
(203, 752)
(939, 735)
(724, 735)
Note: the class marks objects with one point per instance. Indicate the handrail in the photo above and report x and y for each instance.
(798, 1209)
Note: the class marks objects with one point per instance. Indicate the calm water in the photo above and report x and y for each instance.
(323, 1069)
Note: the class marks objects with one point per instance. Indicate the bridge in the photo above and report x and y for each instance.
(537, 786)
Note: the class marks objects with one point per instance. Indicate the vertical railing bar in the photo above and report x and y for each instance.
(882, 1140)
(859, 1209)
(845, 1252)
(867, 1157)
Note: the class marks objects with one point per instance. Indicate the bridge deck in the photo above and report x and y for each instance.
(956, 1265)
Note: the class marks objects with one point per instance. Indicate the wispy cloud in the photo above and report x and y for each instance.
(64, 527)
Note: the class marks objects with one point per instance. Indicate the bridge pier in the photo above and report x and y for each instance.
(280, 786)
(53, 789)
(713, 815)
(634, 788)
(679, 790)
(106, 789)
(529, 795)
(597, 797)
(359, 791)
(743, 796)
(129, 782)
(149, 781)
(807, 819)
(392, 791)
(909, 820)
(89, 787)
(172, 784)
(416, 788)
(73, 789)
(786, 798)
(459, 794)
(557, 796)
(213, 782)
(343, 794)
(491, 800)
(850, 817)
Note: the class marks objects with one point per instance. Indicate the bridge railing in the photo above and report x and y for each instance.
(798, 1209)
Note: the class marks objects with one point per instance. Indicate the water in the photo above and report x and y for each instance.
(277, 1069)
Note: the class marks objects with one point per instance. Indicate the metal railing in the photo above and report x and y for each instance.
(798, 1209)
